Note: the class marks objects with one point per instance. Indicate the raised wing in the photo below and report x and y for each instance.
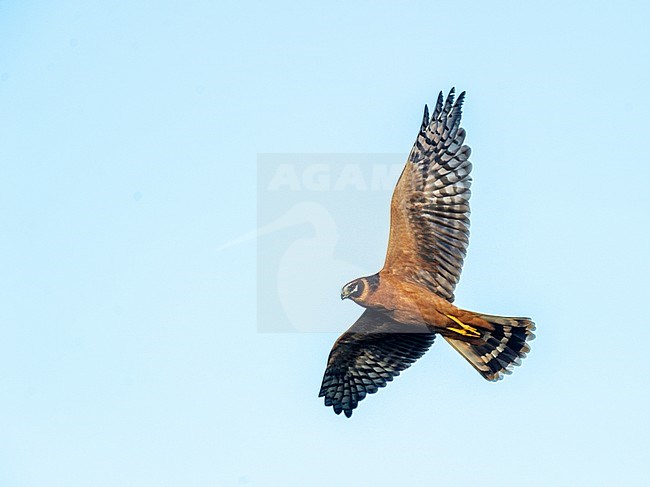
(429, 230)
(367, 356)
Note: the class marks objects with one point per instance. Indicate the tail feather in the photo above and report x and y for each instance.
(500, 350)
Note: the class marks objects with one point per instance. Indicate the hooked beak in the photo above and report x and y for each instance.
(345, 294)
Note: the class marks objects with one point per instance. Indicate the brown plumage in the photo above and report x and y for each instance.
(410, 300)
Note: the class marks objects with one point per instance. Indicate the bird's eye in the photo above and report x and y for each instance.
(358, 289)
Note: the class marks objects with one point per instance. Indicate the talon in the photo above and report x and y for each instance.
(465, 330)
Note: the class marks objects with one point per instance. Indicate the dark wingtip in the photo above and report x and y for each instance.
(439, 102)
(425, 117)
(449, 102)
(461, 98)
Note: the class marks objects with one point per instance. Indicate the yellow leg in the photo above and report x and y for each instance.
(465, 330)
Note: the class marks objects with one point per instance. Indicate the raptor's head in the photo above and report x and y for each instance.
(359, 289)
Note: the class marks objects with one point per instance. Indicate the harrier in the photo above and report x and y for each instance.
(409, 301)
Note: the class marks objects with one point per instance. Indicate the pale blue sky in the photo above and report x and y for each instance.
(130, 353)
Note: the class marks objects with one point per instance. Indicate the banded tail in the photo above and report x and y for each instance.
(499, 351)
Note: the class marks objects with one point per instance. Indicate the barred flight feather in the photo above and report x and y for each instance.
(368, 356)
(438, 178)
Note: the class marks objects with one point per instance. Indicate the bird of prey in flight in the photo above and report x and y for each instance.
(409, 301)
